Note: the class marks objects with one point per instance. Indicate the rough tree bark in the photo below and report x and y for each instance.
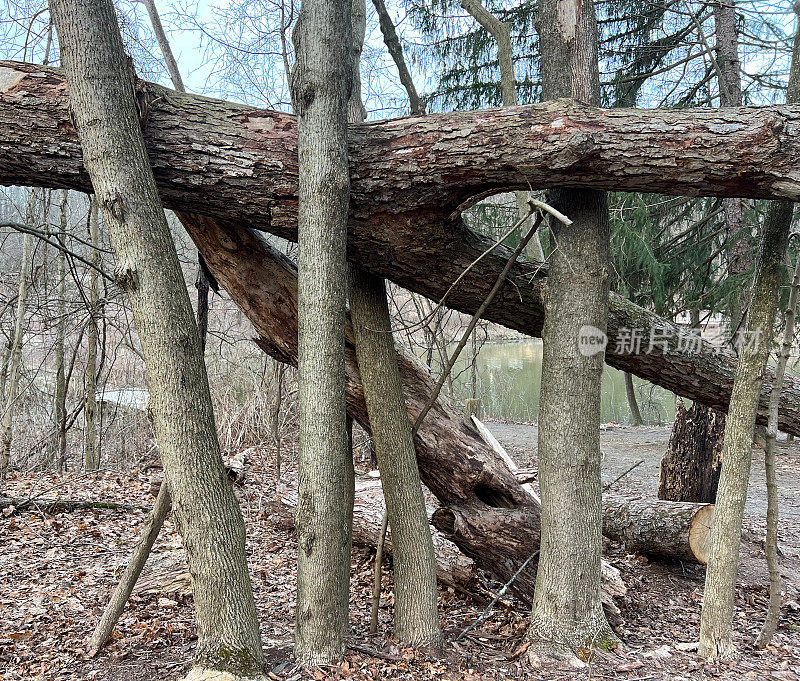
(691, 465)
(720, 590)
(105, 115)
(411, 175)
(416, 619)
(567, 609)
(320, 87)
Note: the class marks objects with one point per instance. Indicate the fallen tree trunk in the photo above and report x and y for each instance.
(453, 568)
(10, 505)
(412, 176)
(488, 514)
(679, 530)
(454, 463)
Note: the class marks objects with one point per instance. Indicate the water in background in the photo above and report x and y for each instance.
(510, 374)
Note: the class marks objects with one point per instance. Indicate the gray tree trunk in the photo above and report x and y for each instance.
(91, 450)
(105, 115)
(60, 406)
(716, 625)
(415, 615)
(720, 590)
(633, 405)
(567, 609)
(320, 88)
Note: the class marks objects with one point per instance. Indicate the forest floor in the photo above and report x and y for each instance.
(57, 570)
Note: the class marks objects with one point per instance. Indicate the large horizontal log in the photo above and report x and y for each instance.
(410, 177)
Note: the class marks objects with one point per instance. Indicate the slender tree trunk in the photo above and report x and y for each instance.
(15, 362)
(320, 87)
(133, 569)
(720, 590)
(771, 542)
(739, 258)
(202, 282)
(567, 610)
(501, 32)
(415, 615)
(392, 42)
(91, 450)
(416, 619)
(60, 409)
(104, 109)
(633, 405)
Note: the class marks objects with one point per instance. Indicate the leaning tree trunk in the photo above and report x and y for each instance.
(633, 405)
(105, 115)
(320, 87)
(567, 608)
(690, 467)
(416, 618)
(720, 591)
(238, 163)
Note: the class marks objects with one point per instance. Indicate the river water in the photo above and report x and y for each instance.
(509, 376)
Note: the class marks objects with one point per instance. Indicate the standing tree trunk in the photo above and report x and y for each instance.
(720, 590)
(104, 108)
(716, 625)
(567, 609)
(416, 618)
(501, 32)
(91, 451)
(15, 352)
(691, 465)
(202, 282)
(60, 409)
(415, 615)
(320, 87)
(633, 405)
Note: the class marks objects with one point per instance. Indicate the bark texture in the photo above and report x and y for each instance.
(105, 115)
(720, 589)
(681, 531)
(453, 568)
(690, 467)
(320, 86)
(567, 614)
(416, 618)
(242, 164)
